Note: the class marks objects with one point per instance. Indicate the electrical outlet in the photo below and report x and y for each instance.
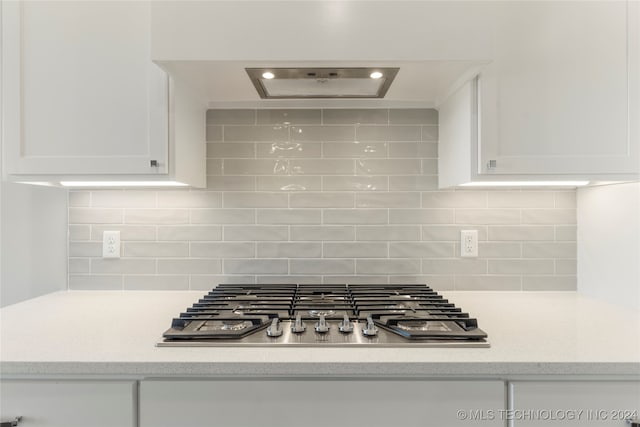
(111, 244)
(469, 243)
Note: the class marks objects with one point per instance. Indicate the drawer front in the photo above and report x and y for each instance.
(575, 403)
(69, 403)
(316, 403)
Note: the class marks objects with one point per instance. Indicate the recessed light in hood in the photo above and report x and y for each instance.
(292, 83)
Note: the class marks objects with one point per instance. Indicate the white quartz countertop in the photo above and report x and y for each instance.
(113, 333)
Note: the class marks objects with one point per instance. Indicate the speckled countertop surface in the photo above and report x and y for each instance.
(111, 333)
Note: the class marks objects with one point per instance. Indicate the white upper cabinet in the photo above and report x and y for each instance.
(326, 31)
(81, 94)
(560, 99)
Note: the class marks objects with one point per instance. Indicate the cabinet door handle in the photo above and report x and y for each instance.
(13, 423)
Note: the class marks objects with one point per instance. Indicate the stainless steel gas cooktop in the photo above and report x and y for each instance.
(399, 315)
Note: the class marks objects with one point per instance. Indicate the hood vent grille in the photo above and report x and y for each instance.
(304, 83)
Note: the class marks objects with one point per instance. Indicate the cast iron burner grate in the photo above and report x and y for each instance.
(389, 315)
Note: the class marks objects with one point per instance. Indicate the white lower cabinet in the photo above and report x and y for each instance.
(312, 403)
(578, 403)
(69, 403)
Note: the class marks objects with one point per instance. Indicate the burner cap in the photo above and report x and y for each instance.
(318, 313)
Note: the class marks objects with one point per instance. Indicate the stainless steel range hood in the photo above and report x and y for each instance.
(304, 83)
(417, 84)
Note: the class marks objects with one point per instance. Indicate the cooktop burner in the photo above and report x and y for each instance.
(324, 316)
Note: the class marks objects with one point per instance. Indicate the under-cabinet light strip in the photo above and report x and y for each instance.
(525, 184)
(122, 184)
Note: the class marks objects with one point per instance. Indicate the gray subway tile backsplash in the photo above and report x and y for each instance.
(421, 250)
(454, 199)
(355, 183)
(388, 166)
(323, 196)
(231, 117)
(388, 232)
(355, 216)
(488, 216)
(291, 116)
(256, 232)
(322, 266)
(223, 249)
(355, 149)
(351, 116)
(421, 216)
(429, 133)
(95, 282)
(413, 116)
(189, 199)
(79, 265)
(321, 200)
(323, 232)
(256, 133)
(79, 232)
(549, 216)
(289, 183)
(404, 150)
(230, 150)
(214, 133)
(255, 200)
(85, 249)
(566, 233)
(460, 266)
(156, 282)
(231, 183)
(155, 249)
(289, 249)
(549, 250)
(95, 216)
(123, 266)
(522, 266)
(116, 199)
(387, 266)
(323, 133)
(403, 199)
(189, 232)
(355, 250)
(156, 216)
(289, 216)
(413, 183)
(256, 266)
(189, 266)
(549, 283)
(223, 216)
(288, 150)
(521, 232)
(79, 199)
(388, 133)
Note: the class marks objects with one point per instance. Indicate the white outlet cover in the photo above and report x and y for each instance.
(469, 243)
(111, 244)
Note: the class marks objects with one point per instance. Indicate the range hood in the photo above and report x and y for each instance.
(404, 84)
(304, 83)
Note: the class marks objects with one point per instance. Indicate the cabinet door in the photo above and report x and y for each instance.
(561, 96)
(81, 95)
(69, 403)
(319, 403)
(582, 403)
